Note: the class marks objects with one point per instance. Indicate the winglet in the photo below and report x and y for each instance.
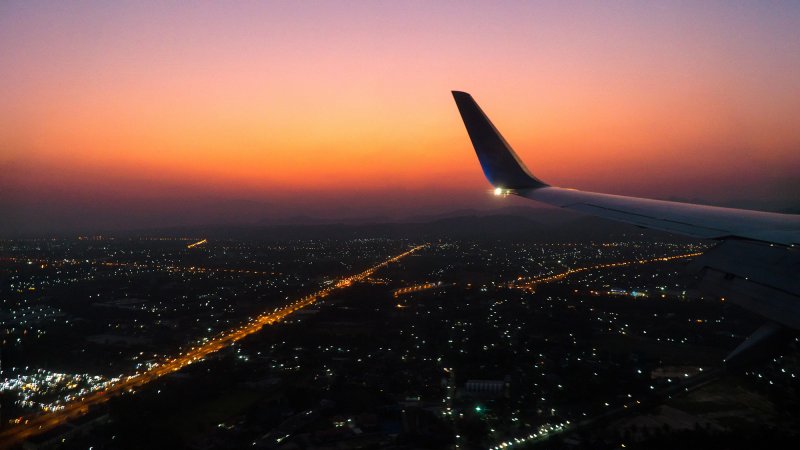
(500, 164)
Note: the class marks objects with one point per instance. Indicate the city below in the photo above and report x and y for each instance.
(378, 337)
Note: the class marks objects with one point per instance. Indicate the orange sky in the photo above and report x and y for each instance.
(272, 101)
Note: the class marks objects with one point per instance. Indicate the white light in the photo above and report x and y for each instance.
(498, 191)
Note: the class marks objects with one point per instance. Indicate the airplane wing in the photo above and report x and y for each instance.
(756, 263)
(506, 172)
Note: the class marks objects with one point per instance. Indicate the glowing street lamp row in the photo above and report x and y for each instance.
(532, 282)
(198, 243)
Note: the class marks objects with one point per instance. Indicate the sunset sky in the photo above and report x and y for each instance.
(136, 114)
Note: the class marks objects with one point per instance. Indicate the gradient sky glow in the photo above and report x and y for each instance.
(134, 114)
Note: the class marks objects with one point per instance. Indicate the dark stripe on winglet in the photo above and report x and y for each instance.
(500, 164)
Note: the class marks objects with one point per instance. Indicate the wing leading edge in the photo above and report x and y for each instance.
(505, 170)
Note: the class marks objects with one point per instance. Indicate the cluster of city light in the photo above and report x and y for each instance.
(41, 262)
(79, 403)
(541, 433)
(532, 282)
(44, 263)
(34, 314)
(190, 269)
(640, 257)
(33, 388)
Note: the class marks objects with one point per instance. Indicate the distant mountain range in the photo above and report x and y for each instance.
(518, 223)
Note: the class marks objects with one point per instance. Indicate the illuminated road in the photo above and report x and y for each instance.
(36, 424)
(200, 242)
(418, 288)
(530, 283)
